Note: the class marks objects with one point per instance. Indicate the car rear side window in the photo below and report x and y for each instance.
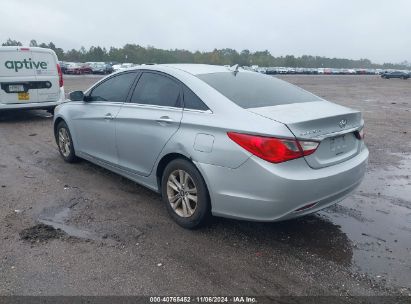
(114, 89)
(156, 89)
(254, 90)
(192, 101)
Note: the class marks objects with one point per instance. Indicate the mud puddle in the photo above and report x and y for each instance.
(377, 220)
(58, 220)
(41, 233)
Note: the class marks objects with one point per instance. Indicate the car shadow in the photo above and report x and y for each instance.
(312, 234)
(309, 235)
(13, 116)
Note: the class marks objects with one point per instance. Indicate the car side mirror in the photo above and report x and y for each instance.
(76, 96)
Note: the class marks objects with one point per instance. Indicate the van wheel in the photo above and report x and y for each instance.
(185, 194)
(65, 143)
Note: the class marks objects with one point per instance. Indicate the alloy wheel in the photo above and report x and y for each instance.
(182, 193)
(64, 142)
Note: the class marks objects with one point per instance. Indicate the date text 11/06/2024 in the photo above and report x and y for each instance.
(210, 299)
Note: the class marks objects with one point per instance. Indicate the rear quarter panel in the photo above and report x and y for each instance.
(203, 137)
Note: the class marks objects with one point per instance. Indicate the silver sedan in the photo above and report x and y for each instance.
(217, 141)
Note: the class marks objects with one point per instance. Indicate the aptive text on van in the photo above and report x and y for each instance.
(26, 64)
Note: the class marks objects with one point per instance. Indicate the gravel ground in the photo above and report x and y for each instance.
(114, 237)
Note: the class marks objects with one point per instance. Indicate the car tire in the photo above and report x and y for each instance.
(185, 194)
(65, 143)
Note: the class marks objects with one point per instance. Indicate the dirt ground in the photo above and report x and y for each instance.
(113, 237)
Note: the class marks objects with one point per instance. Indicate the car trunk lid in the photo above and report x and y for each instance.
(332, 125)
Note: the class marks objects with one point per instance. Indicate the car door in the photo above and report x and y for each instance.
(94, 118)
(145, 123)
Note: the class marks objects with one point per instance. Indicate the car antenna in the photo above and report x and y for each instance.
(234, 69)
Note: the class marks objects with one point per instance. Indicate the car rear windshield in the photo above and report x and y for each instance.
(254, 90)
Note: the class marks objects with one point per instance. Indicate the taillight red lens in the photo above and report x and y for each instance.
(274, 150)
(61, 81)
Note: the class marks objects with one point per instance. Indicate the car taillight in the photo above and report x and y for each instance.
(274, 150)
(61, 82)
(308, 147)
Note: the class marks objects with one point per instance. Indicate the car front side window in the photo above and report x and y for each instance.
(115, 89)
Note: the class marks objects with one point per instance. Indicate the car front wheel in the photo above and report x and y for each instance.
(65, 143)
(185, 194)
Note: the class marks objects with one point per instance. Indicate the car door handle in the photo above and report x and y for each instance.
(164, 119)
(108, 116)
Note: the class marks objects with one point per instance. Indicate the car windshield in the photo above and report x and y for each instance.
(254, 90)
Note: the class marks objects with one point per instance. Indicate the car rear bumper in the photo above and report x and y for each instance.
(34, 105)
(29, 105)
(262, 191)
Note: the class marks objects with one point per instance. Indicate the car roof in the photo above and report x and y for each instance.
(197, 69)
(26, 48)
(191, 68)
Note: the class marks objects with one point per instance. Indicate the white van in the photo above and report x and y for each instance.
(30, 77)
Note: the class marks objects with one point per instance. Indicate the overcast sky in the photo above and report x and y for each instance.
(374, 29)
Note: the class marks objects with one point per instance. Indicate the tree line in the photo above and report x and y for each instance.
(137, 54)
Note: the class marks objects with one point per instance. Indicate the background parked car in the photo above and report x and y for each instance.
(63, 66)
(73, 68)
(123, 66)
(101, 68)
(78, 68)
(85, 68)
(395, 74)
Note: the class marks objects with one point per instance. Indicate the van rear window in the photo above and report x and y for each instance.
(254, 90)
